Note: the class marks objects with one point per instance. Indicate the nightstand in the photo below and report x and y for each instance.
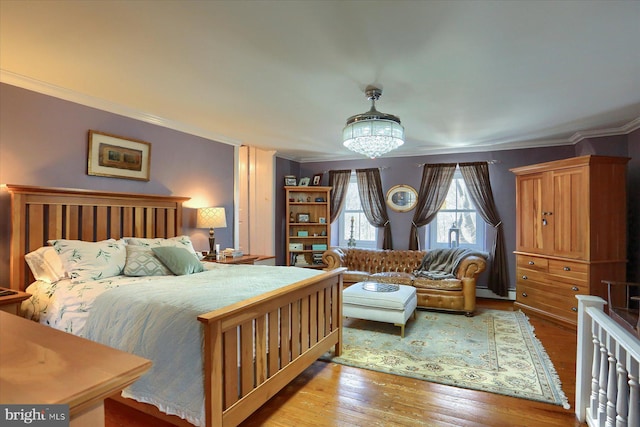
(11, 303)
(245, 259)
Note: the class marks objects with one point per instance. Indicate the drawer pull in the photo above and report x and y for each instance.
(574, 308)
(524, 277)
(566, 268)
(575, 288)
(531, 263)
(524, 294)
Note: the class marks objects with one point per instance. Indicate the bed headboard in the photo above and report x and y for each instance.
(39, 214)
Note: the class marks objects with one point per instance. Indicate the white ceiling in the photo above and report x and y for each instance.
(285, 75)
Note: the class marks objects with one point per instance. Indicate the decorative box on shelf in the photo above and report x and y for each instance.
(233, 253)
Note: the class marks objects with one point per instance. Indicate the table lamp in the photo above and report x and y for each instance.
(211, 218)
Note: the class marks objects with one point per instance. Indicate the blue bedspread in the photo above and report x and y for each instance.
(158, 320)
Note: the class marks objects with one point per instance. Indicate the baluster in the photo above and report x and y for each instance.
(634, 400)
(612, 389)
(595, 371)
(623, 393)
(602, 380)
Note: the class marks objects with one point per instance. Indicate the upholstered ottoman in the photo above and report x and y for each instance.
(381, 302)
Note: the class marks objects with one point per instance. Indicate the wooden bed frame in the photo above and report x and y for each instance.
(253, 348)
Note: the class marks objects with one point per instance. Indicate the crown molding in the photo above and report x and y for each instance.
(44, 88)
(598, 133)
(514, 145)
(39, 86)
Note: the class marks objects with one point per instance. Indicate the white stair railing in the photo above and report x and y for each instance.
(607, 363)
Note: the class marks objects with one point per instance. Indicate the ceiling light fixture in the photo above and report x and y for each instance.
(373, 133)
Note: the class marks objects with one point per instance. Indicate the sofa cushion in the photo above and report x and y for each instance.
(445, 284)
(392, 277)
(352, 276)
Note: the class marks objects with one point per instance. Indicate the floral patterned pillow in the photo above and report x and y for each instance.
(87, 261)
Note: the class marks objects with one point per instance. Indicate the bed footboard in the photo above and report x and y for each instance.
(255, 348)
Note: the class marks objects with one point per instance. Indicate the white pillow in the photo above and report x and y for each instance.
(86, 261)
(178, 242)
(45, 264)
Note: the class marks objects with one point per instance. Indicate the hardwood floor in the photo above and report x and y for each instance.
(328, 394)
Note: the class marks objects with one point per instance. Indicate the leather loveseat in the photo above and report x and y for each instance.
(457, 293)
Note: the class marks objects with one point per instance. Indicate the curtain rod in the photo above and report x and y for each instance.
(352, 169)
(490, 162)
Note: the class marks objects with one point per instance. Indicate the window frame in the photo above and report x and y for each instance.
(431, 232)
(343, 226)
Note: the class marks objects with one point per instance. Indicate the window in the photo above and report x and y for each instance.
(459, 209)
(364, 233)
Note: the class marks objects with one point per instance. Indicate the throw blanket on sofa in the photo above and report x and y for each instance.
(440, 264)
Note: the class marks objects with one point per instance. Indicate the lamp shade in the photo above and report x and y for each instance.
(211, 218)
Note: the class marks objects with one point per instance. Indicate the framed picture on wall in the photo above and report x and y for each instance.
(117, 157)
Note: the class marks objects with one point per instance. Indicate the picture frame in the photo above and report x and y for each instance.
(304, 182)
(317, 179)
(117, 157)
(290, 180)
(402, 198)
(303, 217)
(322, 220)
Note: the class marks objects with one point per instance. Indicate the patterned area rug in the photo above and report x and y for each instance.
(494, 351)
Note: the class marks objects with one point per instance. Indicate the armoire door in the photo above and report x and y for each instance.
(570, 213)
(531, 224)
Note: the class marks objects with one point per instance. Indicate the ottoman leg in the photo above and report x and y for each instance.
(401, 329)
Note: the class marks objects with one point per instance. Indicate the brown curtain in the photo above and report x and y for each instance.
(476, 177)
(436, 180)
(339, 183)
(373, 203)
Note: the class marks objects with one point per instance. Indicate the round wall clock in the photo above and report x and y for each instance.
(402, 198)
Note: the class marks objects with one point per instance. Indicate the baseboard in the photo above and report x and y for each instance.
(486, 293)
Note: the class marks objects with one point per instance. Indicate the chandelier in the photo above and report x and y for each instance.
(373, 133)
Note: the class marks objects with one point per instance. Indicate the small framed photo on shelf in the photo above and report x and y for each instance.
(304, 182)
(303, 217)
(322, 220)
(290, 180)
(317, 179)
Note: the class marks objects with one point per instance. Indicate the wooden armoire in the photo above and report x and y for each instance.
(570, 233)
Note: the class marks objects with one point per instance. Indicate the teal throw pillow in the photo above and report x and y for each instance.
(179, 260)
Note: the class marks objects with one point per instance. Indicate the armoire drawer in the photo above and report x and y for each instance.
(531, 276)
(532, 263)
(574, 270)
(546, 284)
(557, 304)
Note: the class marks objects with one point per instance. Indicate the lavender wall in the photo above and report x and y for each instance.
(407, 170)
(44, 140)
(633, 189)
